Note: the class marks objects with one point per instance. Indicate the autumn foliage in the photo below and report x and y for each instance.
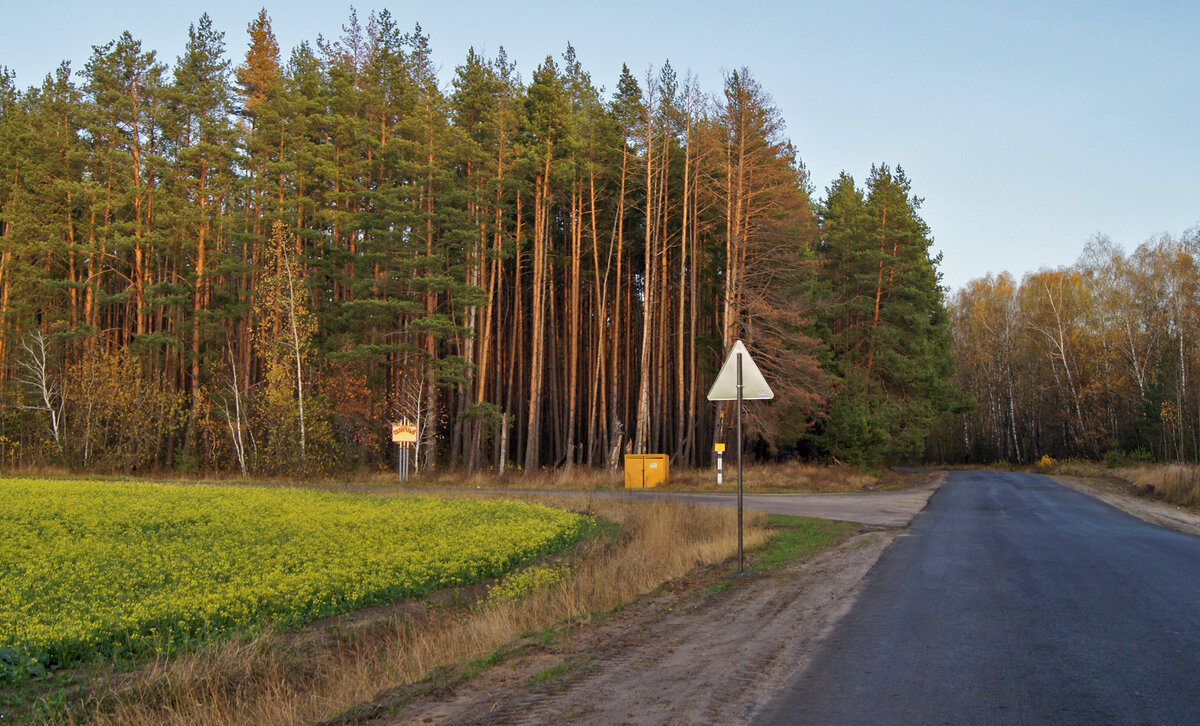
(1097, 360)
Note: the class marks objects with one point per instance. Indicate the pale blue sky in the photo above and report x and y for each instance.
(1027, 126)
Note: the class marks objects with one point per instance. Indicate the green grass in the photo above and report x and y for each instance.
(551, 676)
(798, 538)
(551, 673)
(544, 638)
(491, 660)
(719, 587)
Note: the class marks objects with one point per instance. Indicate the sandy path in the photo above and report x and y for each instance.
(709, 649)
(684, 657)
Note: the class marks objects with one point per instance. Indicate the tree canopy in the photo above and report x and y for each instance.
(258, 262)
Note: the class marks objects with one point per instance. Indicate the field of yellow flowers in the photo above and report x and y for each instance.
(90, 569)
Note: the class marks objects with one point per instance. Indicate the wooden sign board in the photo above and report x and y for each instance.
(404, 433)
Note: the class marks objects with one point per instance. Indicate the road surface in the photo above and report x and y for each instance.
(884, 509)
(890, 509)
(1012, 599)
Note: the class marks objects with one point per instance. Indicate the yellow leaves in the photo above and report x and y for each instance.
(98, 569)
(1169, 413)
(120, 415)
(519, 585)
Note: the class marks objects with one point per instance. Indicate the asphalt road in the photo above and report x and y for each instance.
(1013, 600)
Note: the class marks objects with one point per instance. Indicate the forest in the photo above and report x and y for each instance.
(1098, 360)
(254, 262)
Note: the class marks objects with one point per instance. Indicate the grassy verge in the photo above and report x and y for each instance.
(757, 478)
(558, 656)
(312, 674)
(799, 538)
(1177, 484)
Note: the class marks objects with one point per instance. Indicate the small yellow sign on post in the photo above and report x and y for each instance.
(718, 448)
(404, 433)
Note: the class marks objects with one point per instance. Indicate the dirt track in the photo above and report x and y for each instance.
(706, 650)
(689, 655)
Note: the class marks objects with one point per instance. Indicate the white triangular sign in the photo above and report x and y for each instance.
(754, 386)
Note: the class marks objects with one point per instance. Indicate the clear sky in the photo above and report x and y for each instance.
(1027, 126)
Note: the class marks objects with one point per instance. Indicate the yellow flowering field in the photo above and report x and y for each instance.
(92, 569)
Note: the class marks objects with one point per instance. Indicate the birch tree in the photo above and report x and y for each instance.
(47, 390)
(284, 343)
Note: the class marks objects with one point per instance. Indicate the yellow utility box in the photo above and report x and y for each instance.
(643, 471)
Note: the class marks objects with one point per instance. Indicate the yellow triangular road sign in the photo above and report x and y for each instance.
(754, 386)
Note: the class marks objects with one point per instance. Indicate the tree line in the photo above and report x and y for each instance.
(257, 265)
(1095, 360)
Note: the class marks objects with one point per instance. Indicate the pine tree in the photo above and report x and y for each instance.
(202, 143)
(547, 109)
(483, 114)
(886, 326)
(125, 86)
(628, 109)
(12, 123)
(769, 230)
(42, 258)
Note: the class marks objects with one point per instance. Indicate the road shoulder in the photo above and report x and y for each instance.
(1160, 513)
(707, 649)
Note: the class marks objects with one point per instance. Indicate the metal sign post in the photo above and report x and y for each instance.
(739, 449)
(720, 449)
(404, 434)
(739, 380)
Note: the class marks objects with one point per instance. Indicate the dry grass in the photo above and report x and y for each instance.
(1175, 483)
(786, 477)
(577, 478)
(289, 678)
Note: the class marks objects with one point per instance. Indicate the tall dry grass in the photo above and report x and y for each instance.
(782, 477)
(286, 679)
(1175, 483)
(762, 477)
(788, 476)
